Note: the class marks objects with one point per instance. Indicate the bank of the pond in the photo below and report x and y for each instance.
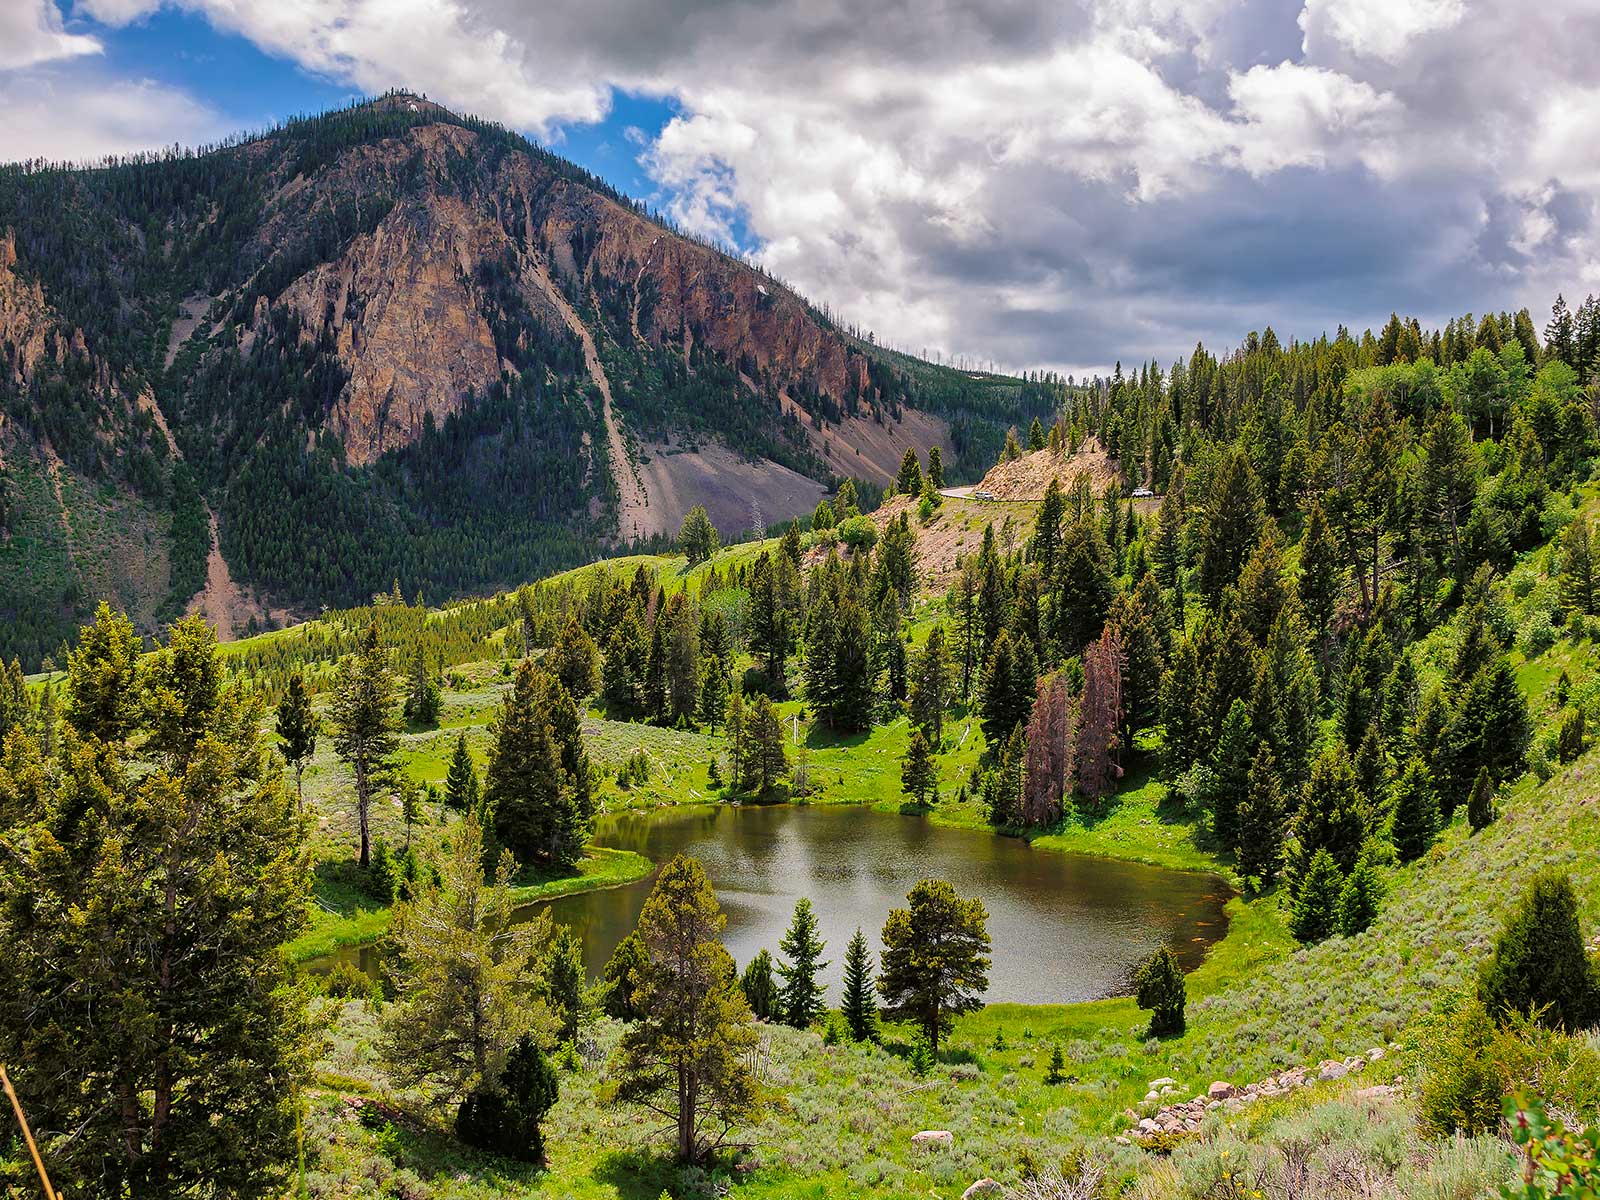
(601, 867)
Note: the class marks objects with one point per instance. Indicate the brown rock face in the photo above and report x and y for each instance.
(25, 319)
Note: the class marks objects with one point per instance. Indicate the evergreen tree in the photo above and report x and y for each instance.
(564, 982)
(935, 963)
(364, 728)
(766, 762)
(1316, 903)
(930, 686)
(627, 652)
(1539, 964)
(769, 622)
(1096, 744)
(800, 995)
(1260, 822)
(422, 693)
(918, 776)
(697, 536)
(297, 730)
(462, 790)
(1058, 1062)
(623, 974)
(1416, 812)
(1358, 900)
(935, 468)
(860, 1005)
(687, 1057)
(1332, 815)
(505, 1118)
(1035, 435)
(459, 965)
(575, 660)
(1580, 592)
(852, 674)
(149, 879)
(1320, 571)
(760, 988)
(714, 684)
(1481, 808)
(909, 481)
(1162, 992)
(1231, 773)
(1231, 525)
(537, 802)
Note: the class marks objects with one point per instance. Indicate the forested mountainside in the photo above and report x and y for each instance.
(392, 343)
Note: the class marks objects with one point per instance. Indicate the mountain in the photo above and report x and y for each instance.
(394, 344)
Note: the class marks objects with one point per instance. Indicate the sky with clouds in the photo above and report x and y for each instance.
(1052, 183)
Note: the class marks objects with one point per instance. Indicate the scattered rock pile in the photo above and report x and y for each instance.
(1184, 1116)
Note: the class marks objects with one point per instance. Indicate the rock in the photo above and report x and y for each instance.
(1148, 1126)
(983, 1187)
(1378, 1092)
(1375, 1054)
(1152, 1097)
(1332, 1069)
(1221, 1090)
(1164, 1082)
(933, 1139)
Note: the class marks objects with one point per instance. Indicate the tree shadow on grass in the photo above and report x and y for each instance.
(435, 1154)
(637, 1175)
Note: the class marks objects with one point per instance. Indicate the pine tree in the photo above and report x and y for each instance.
(935, 468)
(1539, 964)
(852, 674)
(297, 729)
(1231, 770)
(1416, 812)
(1099, 718)
(714, 684)
(1231, 526)
(800, 995)
(1332, 815)
(766, 762)
(1162, 992)
(1260, 821)
(930, 686)
(687, 1057)
(505, 1118)
(626, 656)
(1049, 747)
(697, 536)
(575, 660)
(564, 982)
(1058, 1063)
(143, 949)
(1035, 435)
(623, 974)
(1481, 808)
(1580, 592)
(860, 1006)
(909, 481)
(422, 695)
(1358, 900)
(459, 968)
(365, 734)
(935, 963)
(1320, 571)
(537, 802)
(461, 787)
(918, 776)
(1316, 903)
(760, 988)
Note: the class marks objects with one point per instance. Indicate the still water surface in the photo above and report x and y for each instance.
(1065, 927)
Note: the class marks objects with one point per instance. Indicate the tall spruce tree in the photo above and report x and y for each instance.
(1539, 964)
(860, 1005)
(297, 728)
(536, 786)
(1260, 821)
(365, 732)
(462, 791)
(1415, 805)
(760, 988)
(800, 994)
(1315, 914)
(919, 778)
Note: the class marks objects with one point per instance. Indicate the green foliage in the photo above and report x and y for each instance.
(504, 1118)
(1464, 1080)
(623, 974)
(697, 536)
(537, 786)
(364, 728)
(1482, 809)
(761, 988)
(686, 1057)
(1057, 1072)
(923, 1058)
(564, 981)
(935, 962)
(1539, 965)
(860, 1006)
(298, 727)
(1316, 901)
(919, 776)
(1358, 899)
(1162, 992)
(1416, 812)
(800, 995)
(1556, 1161)
(459, 966)
(148, 880)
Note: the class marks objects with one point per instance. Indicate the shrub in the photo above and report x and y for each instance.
(1569, 741)
(921, 1054)
(1463, 1079)
(859, 533)
(1539, 964)
(1482, 810)
(1556, 1161)
(504, 1119)
(346, 981)
(1162, 992)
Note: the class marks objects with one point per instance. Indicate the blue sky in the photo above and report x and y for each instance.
(1033, 183)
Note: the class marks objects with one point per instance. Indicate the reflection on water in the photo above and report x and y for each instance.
(1065, 927)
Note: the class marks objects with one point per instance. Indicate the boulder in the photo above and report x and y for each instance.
(933, 1139)
(1331, 1069)
(1375, 1054)
(1165, 1081)
(982, 1187)
(1220, 1090)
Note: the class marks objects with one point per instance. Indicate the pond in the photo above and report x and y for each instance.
(1065, 927)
